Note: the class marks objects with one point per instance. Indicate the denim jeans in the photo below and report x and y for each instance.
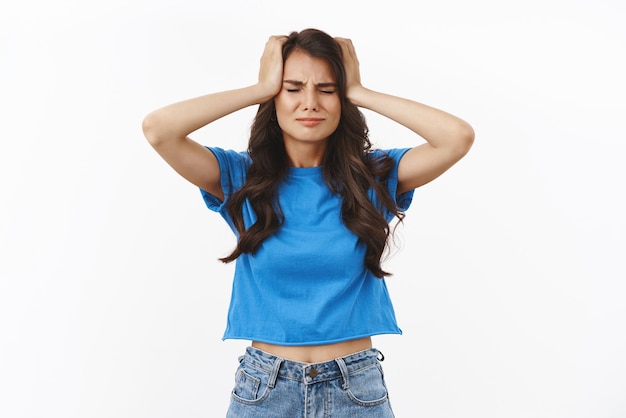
(267, 386)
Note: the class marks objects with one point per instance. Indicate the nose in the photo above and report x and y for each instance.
(309, 101)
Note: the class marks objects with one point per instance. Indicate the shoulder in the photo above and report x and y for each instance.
(233, 164)
(231, 157)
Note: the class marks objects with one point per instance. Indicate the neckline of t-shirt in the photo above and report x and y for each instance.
(305, 171)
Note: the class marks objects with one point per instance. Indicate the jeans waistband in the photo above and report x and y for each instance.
(310, 373)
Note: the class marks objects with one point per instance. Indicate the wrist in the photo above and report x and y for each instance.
(358, 95)
(264, 92)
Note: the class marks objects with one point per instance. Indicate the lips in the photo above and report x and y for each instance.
(310, 122)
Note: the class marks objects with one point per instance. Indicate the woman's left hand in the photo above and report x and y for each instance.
(351, 63)
(448, 138)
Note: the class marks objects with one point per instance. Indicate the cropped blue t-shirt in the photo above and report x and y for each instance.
(307, 284)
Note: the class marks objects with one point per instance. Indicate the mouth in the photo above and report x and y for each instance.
(310, 121)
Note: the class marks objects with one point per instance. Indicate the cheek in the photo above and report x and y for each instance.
(281, 109)
(330, 103)
(285, 105)
(335, 110)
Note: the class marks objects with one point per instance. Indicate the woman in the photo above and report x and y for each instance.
(310, 203)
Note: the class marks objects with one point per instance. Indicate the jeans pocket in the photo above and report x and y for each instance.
(367, 386)
(251, 384)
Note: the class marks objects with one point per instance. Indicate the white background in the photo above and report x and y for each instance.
(509, 282)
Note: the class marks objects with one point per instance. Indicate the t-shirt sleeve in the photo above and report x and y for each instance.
(233, 168)
(403, 200)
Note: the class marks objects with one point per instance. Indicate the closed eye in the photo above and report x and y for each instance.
(294, 86)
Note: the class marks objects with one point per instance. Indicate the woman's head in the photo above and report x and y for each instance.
(320, 47)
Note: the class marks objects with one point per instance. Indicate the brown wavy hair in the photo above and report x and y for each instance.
(348, 165)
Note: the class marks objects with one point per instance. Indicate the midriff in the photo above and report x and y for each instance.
(315, 353)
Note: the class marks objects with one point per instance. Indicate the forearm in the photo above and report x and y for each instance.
(440, 129)
(178, 120)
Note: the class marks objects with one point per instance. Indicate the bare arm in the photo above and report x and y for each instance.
(448, 138)
(167, 128)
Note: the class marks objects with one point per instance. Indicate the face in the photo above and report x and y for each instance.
(308, 108)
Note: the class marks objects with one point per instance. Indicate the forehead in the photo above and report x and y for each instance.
(302, 67)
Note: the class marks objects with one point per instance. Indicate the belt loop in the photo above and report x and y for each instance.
(274, 374)
(344, 373)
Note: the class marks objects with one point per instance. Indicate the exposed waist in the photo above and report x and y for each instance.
(315, 353)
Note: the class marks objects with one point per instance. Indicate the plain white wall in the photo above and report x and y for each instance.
(509, 283)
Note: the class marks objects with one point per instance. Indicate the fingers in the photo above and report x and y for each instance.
(351, 63)
(274, 45)
(349, 53)
(277, 39)
(270, 71)
(345, 43)
(274, 48)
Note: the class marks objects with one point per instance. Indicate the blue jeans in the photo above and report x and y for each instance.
(267, 386)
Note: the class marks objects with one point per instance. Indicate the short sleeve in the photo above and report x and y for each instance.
(233, 168)
(403, 200)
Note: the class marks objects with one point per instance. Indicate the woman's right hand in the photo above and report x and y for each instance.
(271, 70)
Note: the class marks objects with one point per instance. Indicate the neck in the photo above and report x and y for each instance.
(303, 155)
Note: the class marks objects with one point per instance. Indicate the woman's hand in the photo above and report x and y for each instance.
(271, 70)
(448, 138)
(351, 63)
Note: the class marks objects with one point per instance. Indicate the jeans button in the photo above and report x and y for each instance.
(313, 372)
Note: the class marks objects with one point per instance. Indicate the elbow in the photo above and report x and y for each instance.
(152, 129)
(465, 138)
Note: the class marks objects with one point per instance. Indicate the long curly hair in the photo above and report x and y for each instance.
(349, 167)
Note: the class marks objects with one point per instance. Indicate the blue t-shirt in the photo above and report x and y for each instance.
(307, 284)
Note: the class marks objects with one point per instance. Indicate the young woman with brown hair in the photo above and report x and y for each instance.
(310, 203)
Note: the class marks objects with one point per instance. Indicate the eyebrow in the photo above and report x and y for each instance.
(300, 83)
